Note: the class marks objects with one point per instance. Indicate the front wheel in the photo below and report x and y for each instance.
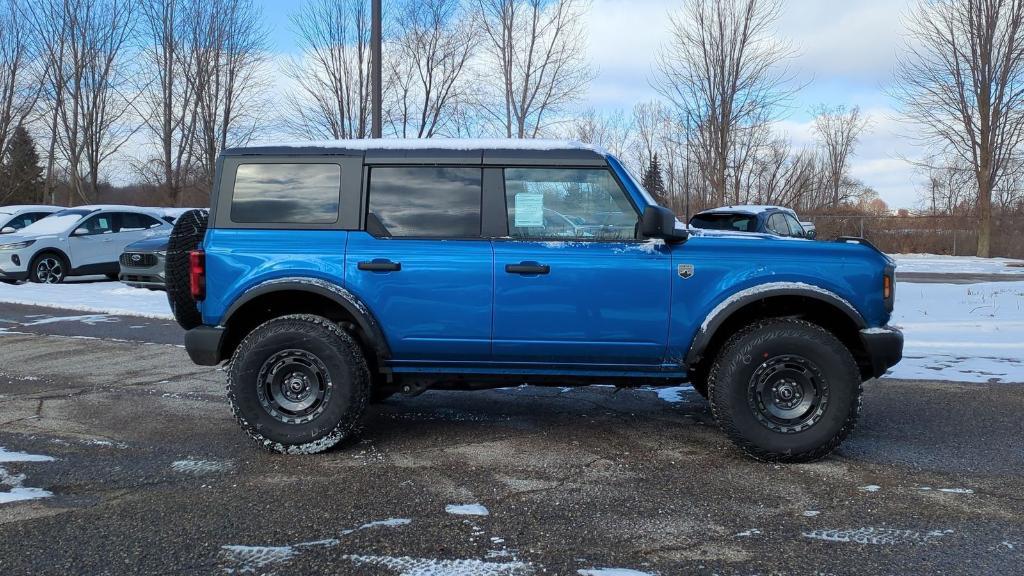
(785, 390)
(298, 384)
(48, 268)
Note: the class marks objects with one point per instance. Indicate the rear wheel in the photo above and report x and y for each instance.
(298, 384)
(785, 390)
(48, 268)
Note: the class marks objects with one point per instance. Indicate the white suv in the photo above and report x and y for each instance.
(76, 242)
(14, 218)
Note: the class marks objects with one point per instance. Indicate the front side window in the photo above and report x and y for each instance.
(560, 203)
(99, 224)
(795, 228)
(272, 193)
(424, 202)
(777, 224)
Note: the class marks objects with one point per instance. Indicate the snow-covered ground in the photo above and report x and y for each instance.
(936, 264)
(956, 332)
(961, 332)
(90, 296)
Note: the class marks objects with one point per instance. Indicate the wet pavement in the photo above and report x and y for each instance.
(150, 475)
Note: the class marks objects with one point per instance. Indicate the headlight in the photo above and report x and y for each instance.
(17, 245)
(161, 253)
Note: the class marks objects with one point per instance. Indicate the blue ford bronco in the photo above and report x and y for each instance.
(330, 275)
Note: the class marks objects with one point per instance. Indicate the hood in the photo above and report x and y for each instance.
(155, 244)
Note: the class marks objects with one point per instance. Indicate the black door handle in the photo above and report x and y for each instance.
(527, 268)
(380, 266)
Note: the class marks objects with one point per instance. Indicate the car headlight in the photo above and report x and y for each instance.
(161, 253)
(17, 245)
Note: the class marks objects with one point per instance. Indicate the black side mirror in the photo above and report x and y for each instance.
(659, 222)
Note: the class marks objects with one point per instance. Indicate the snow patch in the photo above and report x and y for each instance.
(464, 144)
(811, 513)
(390, 523)
(200, 467)
(611, 572)
(97, 297)
(466, 509)
(17, 492)
(408, 566)
(672, 394)
(870, 488)
(877, 536)
(250, 558)
(748, 533)
(937, 264)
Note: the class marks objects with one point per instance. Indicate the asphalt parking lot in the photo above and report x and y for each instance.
(151, 475)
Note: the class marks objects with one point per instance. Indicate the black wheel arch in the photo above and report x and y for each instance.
(292, 295)
(814, 304)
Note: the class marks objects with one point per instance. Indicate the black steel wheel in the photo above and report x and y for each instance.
(48, 268)
(788, 393)
(785, 390)
(298, 384)
(293, 386)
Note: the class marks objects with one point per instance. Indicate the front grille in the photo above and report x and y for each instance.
(137, 260)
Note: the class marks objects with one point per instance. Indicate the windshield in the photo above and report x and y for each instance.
(55, 223)
(733, 222)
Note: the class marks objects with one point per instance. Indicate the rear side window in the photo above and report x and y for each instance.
(424, 202)
(272, 193)
(581, 203)
(131, 222)
(732, 222)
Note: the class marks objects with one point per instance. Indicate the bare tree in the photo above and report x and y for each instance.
(724, 70)
(534, 53)
(332, 75)
(168, 101)
(427, 66)
(86, 81)
(961, 81)
(17, 93)
(610, 130)
(838, 130)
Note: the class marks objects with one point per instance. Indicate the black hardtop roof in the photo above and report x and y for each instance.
(548, 152)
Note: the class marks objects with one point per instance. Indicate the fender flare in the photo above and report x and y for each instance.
(55, 250)
(351, 303)
(726, 308)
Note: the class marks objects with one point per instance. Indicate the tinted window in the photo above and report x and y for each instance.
(286, 193)
(795, 229)
(425, 202)
(131, 221)
(733, 222)
(579, 203)
(99, 224)
(777, 224)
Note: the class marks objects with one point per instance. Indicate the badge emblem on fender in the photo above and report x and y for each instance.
(685, 271)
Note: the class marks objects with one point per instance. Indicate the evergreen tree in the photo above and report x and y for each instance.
(21, 176)
(653, 181)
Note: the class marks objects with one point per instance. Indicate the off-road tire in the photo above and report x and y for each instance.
(735, 372)
(348, 384)
(186, 236)
(33, 268)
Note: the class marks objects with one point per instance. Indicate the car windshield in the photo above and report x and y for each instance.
(55, 223)
(733, 222)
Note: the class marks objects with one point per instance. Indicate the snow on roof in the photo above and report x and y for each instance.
(125, 207)
(745, 209)
(15, 208)
(440, 144)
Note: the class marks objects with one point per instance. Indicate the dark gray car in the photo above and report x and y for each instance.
(142, 263)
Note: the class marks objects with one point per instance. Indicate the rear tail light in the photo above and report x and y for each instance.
(197, 274)
(888, 290)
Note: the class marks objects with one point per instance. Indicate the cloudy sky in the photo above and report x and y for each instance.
(847, 51)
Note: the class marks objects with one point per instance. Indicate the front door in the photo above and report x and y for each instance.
(421, 265)
(98, 240)
(573, 282)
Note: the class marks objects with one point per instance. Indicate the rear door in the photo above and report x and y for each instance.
(573, 283)
(421, 265)
(132, 227)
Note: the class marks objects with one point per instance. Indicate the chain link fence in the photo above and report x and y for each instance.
(951, 235)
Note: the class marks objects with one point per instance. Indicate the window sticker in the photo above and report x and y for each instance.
(529, 210)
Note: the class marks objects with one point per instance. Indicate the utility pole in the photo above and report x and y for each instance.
(375, 32)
